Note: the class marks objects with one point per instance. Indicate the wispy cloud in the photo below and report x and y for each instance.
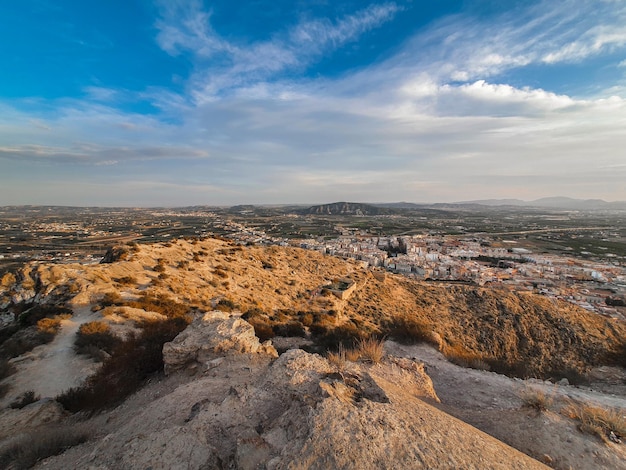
(465, 48)
(439, 120)
(223, 66)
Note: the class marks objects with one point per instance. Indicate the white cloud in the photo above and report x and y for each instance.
(435, 122)
(228, 66)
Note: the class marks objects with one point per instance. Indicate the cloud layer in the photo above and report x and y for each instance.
(458, 111)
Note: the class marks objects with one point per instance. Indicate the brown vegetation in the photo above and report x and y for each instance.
(519, 334)
(94, 339)
(608, 425)
(27, 449)
(536, 399)
(130, 363)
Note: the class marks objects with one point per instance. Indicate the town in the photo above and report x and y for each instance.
(590, 274)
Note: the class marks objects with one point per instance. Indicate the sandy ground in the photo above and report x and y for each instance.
(492, 403)
(52, 368)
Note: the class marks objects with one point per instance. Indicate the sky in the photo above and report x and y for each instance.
(197, 102)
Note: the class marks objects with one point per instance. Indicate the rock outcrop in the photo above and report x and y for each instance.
(211, 336)
(249, 411)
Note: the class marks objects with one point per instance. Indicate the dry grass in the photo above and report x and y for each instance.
(607, 424)
(536, 399)
(337, 359)
(25, 451)
(371, 350)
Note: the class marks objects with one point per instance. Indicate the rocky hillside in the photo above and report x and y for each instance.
(281, 291)
(231, 405)
(245, 388)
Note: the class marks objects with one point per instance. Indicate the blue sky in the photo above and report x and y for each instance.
(182, 102)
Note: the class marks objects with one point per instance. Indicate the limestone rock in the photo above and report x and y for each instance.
(215, 333)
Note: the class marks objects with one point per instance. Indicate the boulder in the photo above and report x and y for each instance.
(214, 334)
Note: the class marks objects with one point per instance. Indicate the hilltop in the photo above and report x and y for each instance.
(287, 296)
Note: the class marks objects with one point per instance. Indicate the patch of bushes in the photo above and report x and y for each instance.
(161, 304)
(93, 339)
(25, 451)
(607, 424)
(32, 315)
(111, 298)
(124, 372)
(25, 399)
(51, 325)
(226, 305)
(126, 280)
(330, 339)
(24, 340)
(409, 330)
(290, 329)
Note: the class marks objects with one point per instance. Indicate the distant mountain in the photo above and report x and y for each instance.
(347, 208)
(553, 203)
(494, 202)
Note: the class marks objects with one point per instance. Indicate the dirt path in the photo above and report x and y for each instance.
(51, 368)
(492, 403)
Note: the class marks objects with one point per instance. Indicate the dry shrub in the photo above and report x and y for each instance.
(49, 325)
(342, 355)
(536, 399)
(124, 372)
(161, 304)
(371, 350)
(24, 399)
(290, 329)
(26, 450)
(221, 273)
(8, 280)
(260, 322)
(126, 280)
(462, 357)
(24, 340)
(607, 424)
(31, 316)
(337, 359)
(410, 330)
(94, 338)
(111, 298)
(226, 305)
